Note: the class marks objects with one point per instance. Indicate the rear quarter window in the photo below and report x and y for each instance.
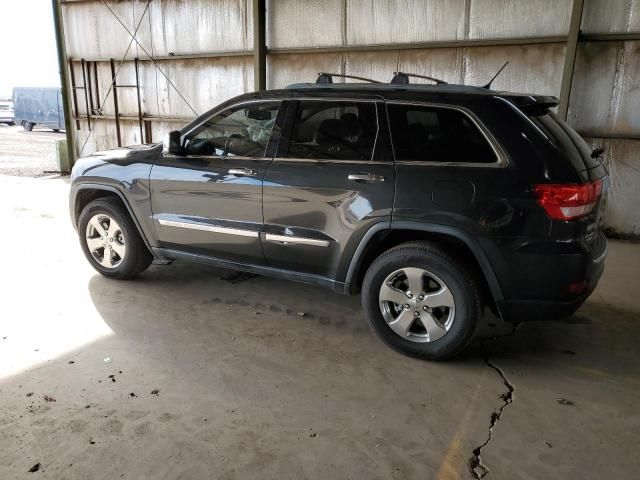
(564, 138)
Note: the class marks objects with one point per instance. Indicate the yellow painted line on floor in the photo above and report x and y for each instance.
(455, 456)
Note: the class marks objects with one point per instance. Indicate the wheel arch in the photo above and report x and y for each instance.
(381, 237)
(85, 193)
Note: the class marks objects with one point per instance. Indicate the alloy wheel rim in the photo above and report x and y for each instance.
(105, 241)
(417, 305)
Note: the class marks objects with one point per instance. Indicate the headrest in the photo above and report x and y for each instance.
(330, 129)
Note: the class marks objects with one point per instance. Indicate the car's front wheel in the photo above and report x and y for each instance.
(420, 301)
(110, 240)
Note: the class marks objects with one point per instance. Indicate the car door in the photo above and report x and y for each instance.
(209, 200)
(331, 180)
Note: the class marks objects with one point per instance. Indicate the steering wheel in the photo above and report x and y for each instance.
(228, 141)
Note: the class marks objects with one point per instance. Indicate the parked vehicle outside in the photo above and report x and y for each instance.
(433, 202)
(6, 113)
(39, 107)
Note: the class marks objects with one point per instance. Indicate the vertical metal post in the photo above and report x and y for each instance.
(570, 57)
(64, 79)
(140, 122)
(89, 85)
(86, 93)
(259, 45)
(95, 76)
(76, 112)
(115, 101)
(148, 131)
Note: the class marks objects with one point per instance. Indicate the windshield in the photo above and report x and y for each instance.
(564, 138)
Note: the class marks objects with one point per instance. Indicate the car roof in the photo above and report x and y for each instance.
(445, 93)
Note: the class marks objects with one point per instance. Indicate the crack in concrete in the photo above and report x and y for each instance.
(477, 468)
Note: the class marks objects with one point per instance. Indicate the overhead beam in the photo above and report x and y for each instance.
(570, 57)
(422, 45)
(259, 45)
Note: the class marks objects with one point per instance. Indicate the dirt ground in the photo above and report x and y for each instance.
(183, 373)
(25, 153)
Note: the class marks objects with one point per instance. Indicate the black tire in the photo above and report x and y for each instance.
(458, 279)
(137, 257)
(56, 130)
(28, 126)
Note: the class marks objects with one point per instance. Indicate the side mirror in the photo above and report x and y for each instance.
(171, 144)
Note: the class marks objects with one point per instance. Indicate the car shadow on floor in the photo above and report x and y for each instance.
(172, 293)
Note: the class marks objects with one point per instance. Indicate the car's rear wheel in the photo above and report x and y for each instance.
(110, 240)
(420, 301)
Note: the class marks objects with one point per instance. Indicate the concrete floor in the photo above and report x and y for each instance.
(182, 374)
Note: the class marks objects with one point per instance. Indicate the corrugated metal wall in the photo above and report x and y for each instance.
(605, 103)
(204, 51)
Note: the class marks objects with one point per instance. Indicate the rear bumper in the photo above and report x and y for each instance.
(587, 271)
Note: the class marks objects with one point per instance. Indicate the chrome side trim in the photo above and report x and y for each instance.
(209, 228)
(331, 161)
(299, 240)
(501, 158)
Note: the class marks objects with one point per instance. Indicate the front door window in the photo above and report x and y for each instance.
(241, 131)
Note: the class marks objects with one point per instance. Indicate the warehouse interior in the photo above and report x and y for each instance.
(197, 372)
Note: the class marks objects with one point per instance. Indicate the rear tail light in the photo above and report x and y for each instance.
(568, 201)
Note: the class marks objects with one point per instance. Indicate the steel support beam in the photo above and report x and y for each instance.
(63, 67)
(114, 86)
(259, 45)
(609, 37)
(503, 42)
(570, 57)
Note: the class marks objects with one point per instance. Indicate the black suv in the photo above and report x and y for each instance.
(434, 201)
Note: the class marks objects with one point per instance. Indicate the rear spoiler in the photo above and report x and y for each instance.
(531, 102)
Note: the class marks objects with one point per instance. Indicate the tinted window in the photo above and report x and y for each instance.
(239, 131)
(564, 138)
(431, 134)
(334, 130)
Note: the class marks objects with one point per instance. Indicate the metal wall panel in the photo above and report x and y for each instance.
(532, 68)
(160, 129)
(92, 32)
(404, 21)
(197, 26)
(285, 69)
(103, 136)
(169, 27)
(204, 83)
(605, 96)
(304, 23)
(621, 157)
(518, 18)
(611, 16)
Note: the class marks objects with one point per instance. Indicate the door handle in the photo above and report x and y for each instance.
(365, 177)
(243, 172)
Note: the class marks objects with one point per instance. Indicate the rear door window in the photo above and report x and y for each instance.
(435, 134)
(334, 130)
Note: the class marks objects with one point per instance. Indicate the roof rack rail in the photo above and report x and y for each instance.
(402, 78)
(324, 77)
